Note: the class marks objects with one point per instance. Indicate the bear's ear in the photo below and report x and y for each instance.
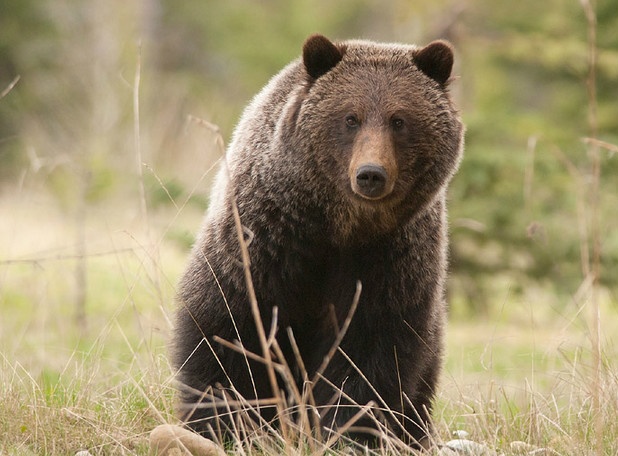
(435, 60)
(320, 55)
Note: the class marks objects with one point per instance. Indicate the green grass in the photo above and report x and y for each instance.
(64, 389)
(533, 384)
(521, 374)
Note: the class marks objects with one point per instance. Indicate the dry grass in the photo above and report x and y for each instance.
(64, 388)
(525, 375)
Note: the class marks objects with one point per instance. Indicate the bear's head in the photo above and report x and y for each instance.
(378, 123)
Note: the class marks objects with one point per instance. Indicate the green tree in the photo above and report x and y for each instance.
(515, 202)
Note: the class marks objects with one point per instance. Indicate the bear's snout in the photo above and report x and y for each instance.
(371, 180)
(373, 169)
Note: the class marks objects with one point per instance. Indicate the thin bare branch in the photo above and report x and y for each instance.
(340, 335)
(255, 310)
(44, 259)
(594, 196)
(582, 222)
(137, 139)
(307, 403)
(343, 429)
(8, 88)
(602, 144)
(221, 145)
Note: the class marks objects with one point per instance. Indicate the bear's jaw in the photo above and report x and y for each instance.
(360, 219)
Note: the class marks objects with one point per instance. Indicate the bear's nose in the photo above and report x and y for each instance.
(371, 180)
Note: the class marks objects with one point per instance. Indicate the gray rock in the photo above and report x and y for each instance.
(469, 448)
(461, 434)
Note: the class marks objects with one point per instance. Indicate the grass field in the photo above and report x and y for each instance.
(523, 374)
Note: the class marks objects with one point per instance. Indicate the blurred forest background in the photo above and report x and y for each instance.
(67, 127)
(106, 153)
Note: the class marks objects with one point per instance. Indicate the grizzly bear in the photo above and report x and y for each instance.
(338, 171)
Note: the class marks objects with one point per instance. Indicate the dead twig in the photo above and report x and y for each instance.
(8, 88)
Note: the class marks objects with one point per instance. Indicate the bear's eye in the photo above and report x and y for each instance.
(352, 121)
(397, 123)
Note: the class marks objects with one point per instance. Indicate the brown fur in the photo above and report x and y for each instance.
(293, 171)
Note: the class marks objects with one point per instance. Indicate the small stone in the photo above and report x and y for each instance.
(170, 440)
(469, 448)
(83, 453)
(461, 434)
